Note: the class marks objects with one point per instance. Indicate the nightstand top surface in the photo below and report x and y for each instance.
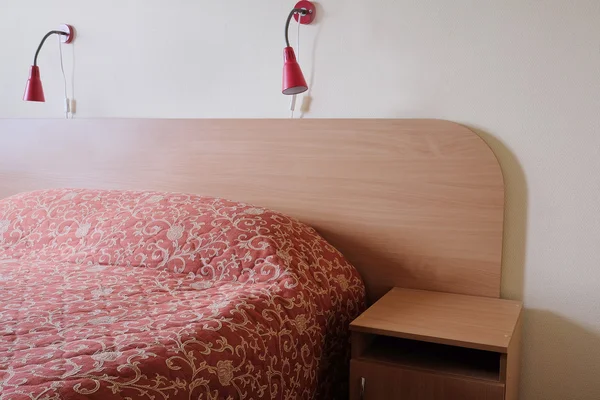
(458, 320)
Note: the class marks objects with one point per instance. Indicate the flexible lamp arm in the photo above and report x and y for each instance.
(42, 43)
(300, 11)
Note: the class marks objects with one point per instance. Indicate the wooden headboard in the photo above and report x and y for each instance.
(411, 203)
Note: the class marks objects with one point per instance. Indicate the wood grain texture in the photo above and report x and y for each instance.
(389, 382)
(411, 203)
(457, 320)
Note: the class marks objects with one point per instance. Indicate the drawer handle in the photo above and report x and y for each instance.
(362, 388)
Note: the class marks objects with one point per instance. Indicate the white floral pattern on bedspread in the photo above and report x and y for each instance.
(145, 295)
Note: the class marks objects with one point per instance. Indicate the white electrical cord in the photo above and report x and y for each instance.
(62, 68)
(72, 104)
(293, 101)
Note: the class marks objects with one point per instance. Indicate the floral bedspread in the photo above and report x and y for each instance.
(146, 295)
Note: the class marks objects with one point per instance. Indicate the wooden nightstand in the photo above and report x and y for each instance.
(418, 345)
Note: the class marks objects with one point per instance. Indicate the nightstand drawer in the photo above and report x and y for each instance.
(384, 381)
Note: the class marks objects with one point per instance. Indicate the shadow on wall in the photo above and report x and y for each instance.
(513, 254)
(559, 354)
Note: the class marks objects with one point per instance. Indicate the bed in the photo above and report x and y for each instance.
(109, 294)
(409, 203)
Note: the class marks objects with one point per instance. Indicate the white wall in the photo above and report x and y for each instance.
(524, 73)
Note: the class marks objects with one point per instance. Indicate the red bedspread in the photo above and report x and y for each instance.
(116, 295)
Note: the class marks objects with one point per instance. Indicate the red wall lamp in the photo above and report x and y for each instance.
(34, 90)
(293, 80)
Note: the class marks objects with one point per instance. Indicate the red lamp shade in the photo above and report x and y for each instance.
(293, 79)
(34, 90)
